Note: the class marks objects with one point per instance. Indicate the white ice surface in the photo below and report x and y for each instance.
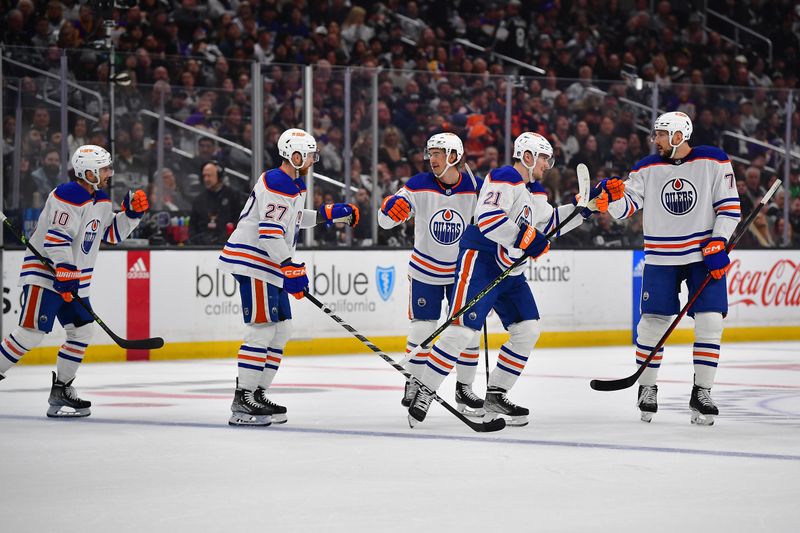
(157, 453)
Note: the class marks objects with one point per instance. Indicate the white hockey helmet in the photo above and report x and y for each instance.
(90, 157)
(449, 143)
(672, 122)
(536, 145)
(297, 140)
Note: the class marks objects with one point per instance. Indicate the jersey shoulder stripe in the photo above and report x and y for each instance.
(650, 160)
(73, 194)
(506, 174)
(536, 188)
(427, 182)
(278, 182)
(707, 152)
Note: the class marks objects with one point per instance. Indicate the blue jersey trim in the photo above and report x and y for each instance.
(677, 237)
(506, 174)
(429, 258)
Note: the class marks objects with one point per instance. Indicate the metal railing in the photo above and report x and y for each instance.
(737, 27)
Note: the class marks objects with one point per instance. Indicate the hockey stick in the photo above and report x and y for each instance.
(583, 201)
(624, 383)
(482, 427)
(486, 352)
(138, 344)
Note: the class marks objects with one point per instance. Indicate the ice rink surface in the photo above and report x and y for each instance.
(157, 453)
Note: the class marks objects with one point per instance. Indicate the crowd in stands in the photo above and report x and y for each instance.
(605, 62)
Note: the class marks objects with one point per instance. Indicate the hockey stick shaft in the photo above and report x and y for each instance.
(476, 426)
(624, 383)
(138, 344)
(486, 351)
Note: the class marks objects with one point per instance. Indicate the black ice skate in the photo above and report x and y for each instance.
(246, 410)
(409, 392)
(277, 412)
(64, 401)
(703, 408)
(467, 401)
(420, 405)
(647, 403)
(497, 404)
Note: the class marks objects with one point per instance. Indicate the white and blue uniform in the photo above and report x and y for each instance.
(686, 202)
(266, 235)
(441, 215)
(486, 250)
(69, 231)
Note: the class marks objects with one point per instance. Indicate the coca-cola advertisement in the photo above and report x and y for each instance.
(764, 288)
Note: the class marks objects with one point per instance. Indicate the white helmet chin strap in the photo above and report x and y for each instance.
(96, 173)
(447, 163)
(530, 168)
(674, 146)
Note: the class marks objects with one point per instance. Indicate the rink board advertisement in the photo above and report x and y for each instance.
(584, 297)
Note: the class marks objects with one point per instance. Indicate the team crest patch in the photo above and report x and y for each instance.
(384, 278)
(421, 302)
(90, 235)
(446, 226)
(679, 196)
(645, 296)
(525, 216)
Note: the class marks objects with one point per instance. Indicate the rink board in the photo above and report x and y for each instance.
(584, 297)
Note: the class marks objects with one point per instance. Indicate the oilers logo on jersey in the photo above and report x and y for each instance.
(679, 196)
(526, 216)
(446, 226)
(89, 235)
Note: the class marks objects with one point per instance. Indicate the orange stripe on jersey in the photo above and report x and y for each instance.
(259, 303)
(424, 263)
(466, 355)
(729, 208)
(252, 257)
(488, 221)
(57, 197)
(30, 312)
(71, 349)
(679, 245)
(273, 359)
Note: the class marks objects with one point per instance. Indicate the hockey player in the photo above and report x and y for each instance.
(442, 203)
(74, 215)
(511, 218)
(691, 208)
(259, 255)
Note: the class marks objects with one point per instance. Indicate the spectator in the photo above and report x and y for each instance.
(215, 210)
(48, 176)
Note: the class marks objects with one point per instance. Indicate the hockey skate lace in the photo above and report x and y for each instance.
(250, 399)
(425, 399)
(506, 402)
(469, 394)
(648, 395)
(704, 397)
(70, 393)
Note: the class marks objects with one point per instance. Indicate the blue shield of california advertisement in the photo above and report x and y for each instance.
(384, 280)
(636, 293)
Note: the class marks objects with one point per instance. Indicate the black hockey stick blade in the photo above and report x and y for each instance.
(480, 427)
(624, 383)
(616, 384)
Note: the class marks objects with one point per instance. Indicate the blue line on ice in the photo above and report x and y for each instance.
(425, 436)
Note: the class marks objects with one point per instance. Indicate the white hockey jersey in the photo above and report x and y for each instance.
(441, 216)
(67, 232)
(504, 203)
(685, 202)
(268, 228)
